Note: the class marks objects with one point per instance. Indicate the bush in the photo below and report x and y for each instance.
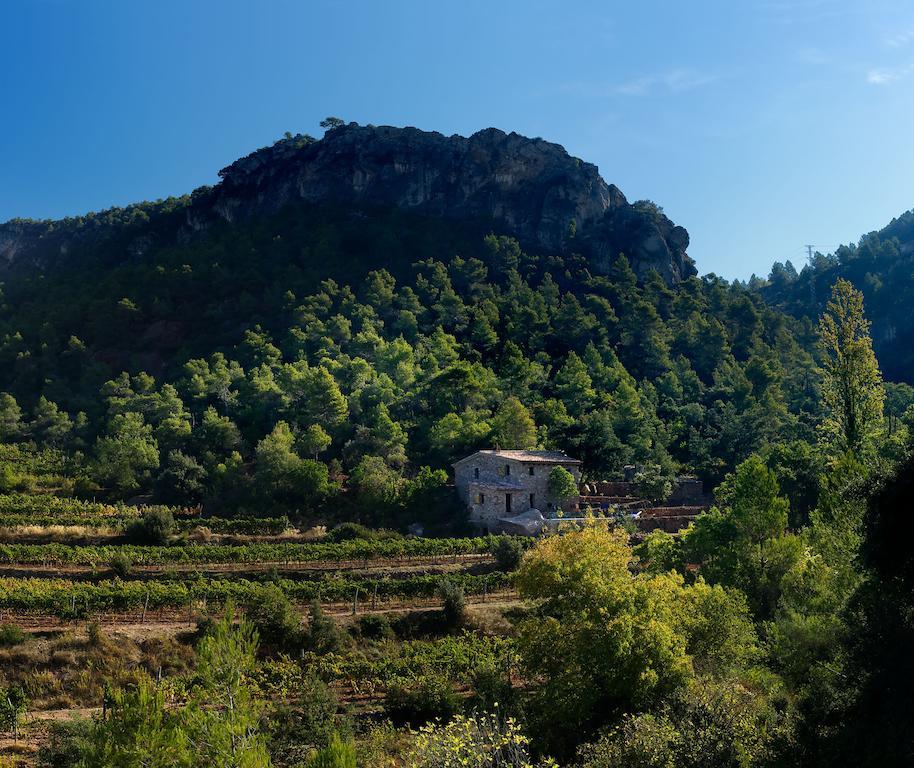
(323, 634)
(155, 527)
(351, 531)
(492, 690)
(508, 552)
(374, 628)
(120, 564)
(295, 731)
(68, 741)
(415, 702)
(337, 754)
(277, 621)
(454, 606)
(12, 634)
(94, 631)
(480, 741)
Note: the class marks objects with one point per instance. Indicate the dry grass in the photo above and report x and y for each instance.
(55, 533)
(70, 669)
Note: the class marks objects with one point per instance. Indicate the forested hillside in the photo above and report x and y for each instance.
(881, 265)
(293, 353)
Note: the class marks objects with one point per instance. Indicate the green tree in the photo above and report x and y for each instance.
(513, 426)
(182, 481)
(125, 456)
(561, 485)
(337, 754)
(10, 418)
(223, 719)
(852, 389)
(314, 441)
(139, 732)
(575, 646)
(50, 425)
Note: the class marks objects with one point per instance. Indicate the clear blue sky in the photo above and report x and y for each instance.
(759, 126)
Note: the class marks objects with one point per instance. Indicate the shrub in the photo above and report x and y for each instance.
(481, 741)
(374, 628)
(94, 631)
(323, 634)
(155, 527)
(11, 634)
(120, 564)
(454, 606)
(351, 531)
(295, 731)
(508, 552)
(492, 690)
(417, 701)
(277, 621)
(337, 754)
(68, 741)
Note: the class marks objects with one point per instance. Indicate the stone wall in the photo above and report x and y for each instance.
(485, 495)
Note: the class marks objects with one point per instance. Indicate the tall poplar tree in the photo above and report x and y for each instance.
(852, 389)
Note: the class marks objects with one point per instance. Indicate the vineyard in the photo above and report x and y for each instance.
(84, 603)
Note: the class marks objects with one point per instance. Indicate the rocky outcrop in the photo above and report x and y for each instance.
(528, 188)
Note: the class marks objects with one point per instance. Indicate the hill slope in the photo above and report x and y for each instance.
(881, 265)
(336, 314)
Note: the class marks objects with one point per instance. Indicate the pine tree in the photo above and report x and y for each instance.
(513, 426)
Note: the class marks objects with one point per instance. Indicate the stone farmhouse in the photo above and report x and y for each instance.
(498, 485)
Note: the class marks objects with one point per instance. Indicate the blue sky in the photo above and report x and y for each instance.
(759, 126)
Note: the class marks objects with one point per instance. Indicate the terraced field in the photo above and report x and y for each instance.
(95, 606)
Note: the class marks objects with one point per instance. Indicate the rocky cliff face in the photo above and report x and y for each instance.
(528, 188)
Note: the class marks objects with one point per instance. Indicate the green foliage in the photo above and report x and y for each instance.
(513, 426)
(222, 720)
(330, 370)
(479, 741)
(561, 485)
(11, 634)
(276, 620)
(309, 723)
(121, 565)
(337, 754)
(508, 551)
(852, 390)
(374, 627)
(67, 741)
(605, 642)
(417, 701)
(323, 634)
(155, 526)
(746, 545)
(453, 604)
(127, 454)
(714, 725)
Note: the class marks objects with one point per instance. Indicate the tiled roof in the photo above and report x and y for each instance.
(528, 457)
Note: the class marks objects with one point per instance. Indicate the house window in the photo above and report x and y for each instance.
(507, 469)
(532, 499)
(530, 470)
(480, 498)
(476, 472)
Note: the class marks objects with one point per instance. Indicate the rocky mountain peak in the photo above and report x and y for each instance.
(529, 188)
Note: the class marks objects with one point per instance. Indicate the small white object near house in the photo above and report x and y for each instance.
(529, 523)
(499, 485)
